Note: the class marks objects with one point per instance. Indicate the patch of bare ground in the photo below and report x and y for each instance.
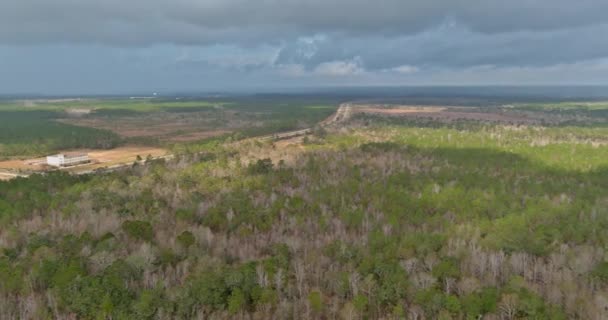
(99, 159)
(447, 114)
(19, 165)
(118, 156)
(78, 112)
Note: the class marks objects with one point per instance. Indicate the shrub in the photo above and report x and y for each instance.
(262, 166)
(316, 301)
(601, 272)
(140, 230)
(186, 239)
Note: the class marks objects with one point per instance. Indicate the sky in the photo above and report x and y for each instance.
(121, 46)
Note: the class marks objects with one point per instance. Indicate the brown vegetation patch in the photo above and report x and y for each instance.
(402, 110)
(448, 114)
(194, 136)
(169, 126)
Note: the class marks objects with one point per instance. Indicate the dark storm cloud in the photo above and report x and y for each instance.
(454, 46)
(140, 22)
(114, 45)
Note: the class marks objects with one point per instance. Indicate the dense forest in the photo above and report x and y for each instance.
(376, 219)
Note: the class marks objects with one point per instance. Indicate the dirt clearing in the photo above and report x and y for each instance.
(124, 154)
(99, 159)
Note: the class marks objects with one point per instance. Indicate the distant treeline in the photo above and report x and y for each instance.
(33, 133)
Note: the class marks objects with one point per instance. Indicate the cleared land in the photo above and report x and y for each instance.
(6, 176)
(167, 126)
(99, 159)
(115, 132)
(448, 114)
(176, 120)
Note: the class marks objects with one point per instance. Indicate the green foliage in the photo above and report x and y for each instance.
(148, 303)
(452, 304)
(360, 302)
(236, 301)
(185, 214)
(186, 239)
(480, 303)
(447, 268)
(10, 277)
(32, 133)
(261, 166)
(378, 222)
(105, 294)
(315, 299)
(139, 230)
(600, 272)
(167, 257)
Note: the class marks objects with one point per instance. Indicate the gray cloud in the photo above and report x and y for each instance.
(145, 22)
(452, 46)
(121, 44)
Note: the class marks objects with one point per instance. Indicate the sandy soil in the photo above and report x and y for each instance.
(16, 165)
(99, 158)
(124, 154)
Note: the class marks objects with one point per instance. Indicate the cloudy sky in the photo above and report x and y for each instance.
(119, 46)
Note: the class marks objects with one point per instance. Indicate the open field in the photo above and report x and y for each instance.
(86, 105)
(127, 154)
(169, 126)
(38, 127)
(520, 113)
(99, 159)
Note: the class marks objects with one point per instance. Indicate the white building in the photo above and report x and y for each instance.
(67, 159)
